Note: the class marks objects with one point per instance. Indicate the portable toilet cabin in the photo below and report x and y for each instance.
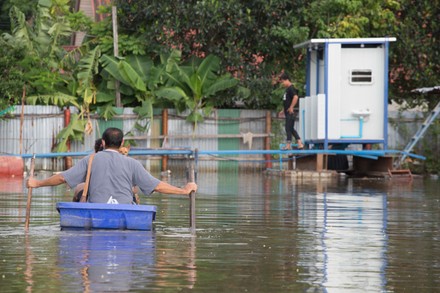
(346, 98)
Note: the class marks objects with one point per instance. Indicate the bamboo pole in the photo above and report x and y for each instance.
(29, 196)
(116, 53)
(67, 160)
(22, 119)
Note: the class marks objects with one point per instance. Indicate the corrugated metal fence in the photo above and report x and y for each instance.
(35, 132)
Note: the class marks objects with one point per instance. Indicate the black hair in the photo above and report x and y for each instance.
(284, 76)
(98, 145)
(113, 137)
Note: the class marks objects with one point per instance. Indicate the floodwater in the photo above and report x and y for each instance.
(255, 233)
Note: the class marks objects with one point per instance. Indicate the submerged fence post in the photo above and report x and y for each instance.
(192, 195)
(165, 135)
(267, 139)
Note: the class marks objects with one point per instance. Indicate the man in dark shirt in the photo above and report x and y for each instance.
(290, 99)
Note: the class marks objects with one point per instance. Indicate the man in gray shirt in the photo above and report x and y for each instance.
(113, 175)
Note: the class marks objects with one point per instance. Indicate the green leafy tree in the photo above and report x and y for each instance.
(11, 78)
(47, 81)
(130, 41)
(253, 39)
(350, 19)
(415, 57)
(81, 92)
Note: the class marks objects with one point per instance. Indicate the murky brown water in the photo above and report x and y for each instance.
(255, 233)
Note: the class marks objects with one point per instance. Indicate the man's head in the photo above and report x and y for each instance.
(113, 138)
(284, 76)
(285, 79)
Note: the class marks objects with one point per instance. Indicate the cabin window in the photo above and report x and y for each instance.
(361, 76)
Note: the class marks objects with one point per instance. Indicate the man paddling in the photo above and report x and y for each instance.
(112, 175)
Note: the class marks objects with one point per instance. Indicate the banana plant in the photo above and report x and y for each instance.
(81, 93)
(42, 41)
(86, 70)
(194, 85)
(132, 72)
(141, 75)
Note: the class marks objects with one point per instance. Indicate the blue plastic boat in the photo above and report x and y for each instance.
(75, 215)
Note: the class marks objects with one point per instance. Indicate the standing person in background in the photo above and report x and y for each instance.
(113, 175)
(290, 100)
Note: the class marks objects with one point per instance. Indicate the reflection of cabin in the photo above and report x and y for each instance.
(346, 92)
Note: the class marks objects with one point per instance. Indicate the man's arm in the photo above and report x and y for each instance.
(164, 187)
(51, 181)
(292, 105)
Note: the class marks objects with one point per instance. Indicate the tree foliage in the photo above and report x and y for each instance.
(39, 39)
(415, 59)
(253, 39)
(36, 49)
(11, 77)
(350, 18)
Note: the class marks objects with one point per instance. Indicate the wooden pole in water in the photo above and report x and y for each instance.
(165, 134)
(67, 160)
(192, 198)
(22, 119)
(29, 196)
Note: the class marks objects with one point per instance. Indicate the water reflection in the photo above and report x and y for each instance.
(9, 188)
(343, 228)
(176, 250)
(255, 233)
(11, 185)
(353, 241)
(29, 260)
(104, 261)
